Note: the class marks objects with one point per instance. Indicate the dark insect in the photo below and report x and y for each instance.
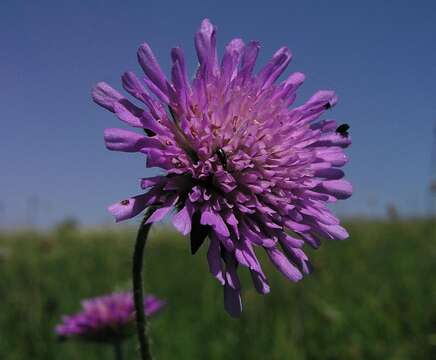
(222, 157)
(343, 130)
(327, 106)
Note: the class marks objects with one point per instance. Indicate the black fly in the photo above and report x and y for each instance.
(343, 130)
(222, 157)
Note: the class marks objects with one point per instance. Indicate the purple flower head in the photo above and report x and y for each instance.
(243, 167)
(108, 318)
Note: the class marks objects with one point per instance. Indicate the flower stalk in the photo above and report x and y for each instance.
(138, 292)
(118, 350)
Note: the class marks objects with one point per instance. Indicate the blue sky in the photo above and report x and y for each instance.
(380, 57)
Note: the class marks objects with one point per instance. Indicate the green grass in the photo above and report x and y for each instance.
(370, 297)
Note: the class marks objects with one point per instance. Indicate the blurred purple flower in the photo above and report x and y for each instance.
(243, 168)
(109, 318)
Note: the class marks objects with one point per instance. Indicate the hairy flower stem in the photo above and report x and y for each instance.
(138, 292)
(118, 350)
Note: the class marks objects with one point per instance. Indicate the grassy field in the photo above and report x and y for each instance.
(371, 297)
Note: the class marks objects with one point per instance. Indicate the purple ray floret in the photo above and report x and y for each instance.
(109, 318)
(242, 167)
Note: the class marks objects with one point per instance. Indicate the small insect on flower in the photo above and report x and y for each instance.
(222, 157)
(243, 167)
(107, 319)
(343, 130)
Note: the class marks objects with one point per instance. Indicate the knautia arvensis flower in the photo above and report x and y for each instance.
(242, 167)
(108, 319)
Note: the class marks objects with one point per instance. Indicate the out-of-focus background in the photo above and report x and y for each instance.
(371, 297)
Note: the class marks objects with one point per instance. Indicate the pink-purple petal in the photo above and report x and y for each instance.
(182, 220)
(128, 141)
(160, 213)
(282, 263)
(151, 67)
(105, 96)
(340, 189)
(208, 217)
(128, 208)
(232, 301)
(214, 260)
